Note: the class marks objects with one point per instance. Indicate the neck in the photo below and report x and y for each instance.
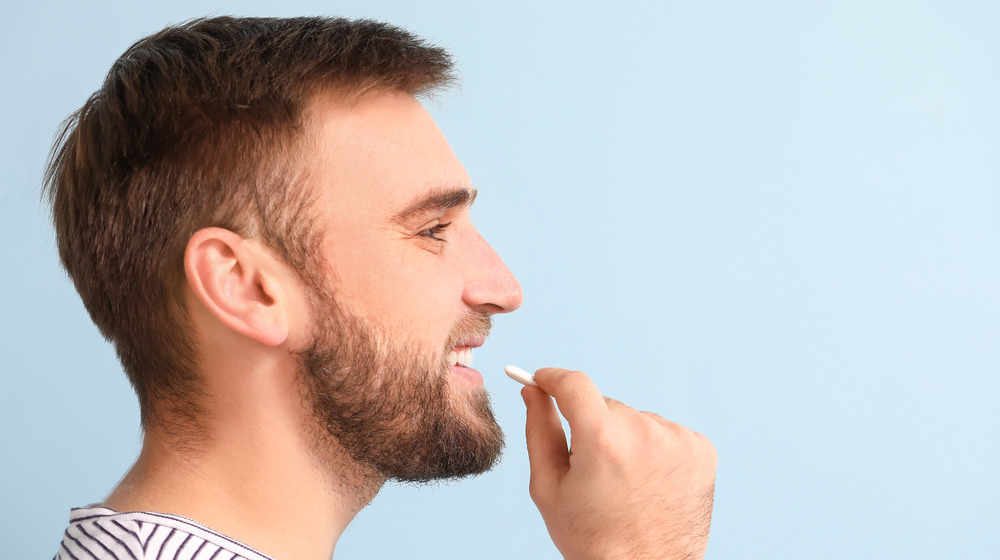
(260, 475)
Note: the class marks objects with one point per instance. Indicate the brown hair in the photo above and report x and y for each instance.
(199, 125)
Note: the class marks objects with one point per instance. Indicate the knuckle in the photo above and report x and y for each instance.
(605, 439)
(573, 377)
(680, 437)
(654, 416)
(674, 431)
(710, 452)
(536, 490)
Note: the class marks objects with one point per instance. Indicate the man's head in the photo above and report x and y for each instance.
(222, 123)
(415, 286)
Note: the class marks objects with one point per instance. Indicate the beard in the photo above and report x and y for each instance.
(389, 404)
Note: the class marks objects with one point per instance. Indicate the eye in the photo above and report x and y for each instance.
(435, 231)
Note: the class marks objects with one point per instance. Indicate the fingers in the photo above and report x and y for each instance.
(579, 400)
(548, 454)
(636, 484)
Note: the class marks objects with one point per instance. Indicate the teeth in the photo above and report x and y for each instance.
(462, 355)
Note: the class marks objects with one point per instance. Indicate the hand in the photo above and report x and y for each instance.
(633, 485)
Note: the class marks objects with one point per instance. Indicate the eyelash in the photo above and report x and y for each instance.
(434, 231)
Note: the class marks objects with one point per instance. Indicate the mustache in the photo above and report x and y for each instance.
(474, 325)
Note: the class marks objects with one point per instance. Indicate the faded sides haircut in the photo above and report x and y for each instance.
(203, 125)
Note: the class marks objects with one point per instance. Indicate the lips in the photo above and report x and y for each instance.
(461, 353)
(470, 332)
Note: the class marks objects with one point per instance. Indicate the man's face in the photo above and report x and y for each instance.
(409, 289)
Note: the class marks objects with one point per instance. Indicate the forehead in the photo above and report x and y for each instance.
(374, 155)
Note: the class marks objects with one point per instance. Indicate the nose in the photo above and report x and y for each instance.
(489, 285)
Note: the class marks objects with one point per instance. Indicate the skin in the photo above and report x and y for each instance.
(633, 486)
(386, 180)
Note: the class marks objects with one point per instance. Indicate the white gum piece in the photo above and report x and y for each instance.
(519, 375)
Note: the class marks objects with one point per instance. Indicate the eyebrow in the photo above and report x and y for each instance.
(440, 199)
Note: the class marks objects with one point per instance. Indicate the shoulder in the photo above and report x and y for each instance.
(104, 534)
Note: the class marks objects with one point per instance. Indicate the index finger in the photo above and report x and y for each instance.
(579, 400)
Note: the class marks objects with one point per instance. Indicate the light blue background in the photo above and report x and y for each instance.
(775, 222)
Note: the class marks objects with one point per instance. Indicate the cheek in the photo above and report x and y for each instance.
(429, 301)
(419, 296)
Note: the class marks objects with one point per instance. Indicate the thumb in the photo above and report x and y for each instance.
(548, 454)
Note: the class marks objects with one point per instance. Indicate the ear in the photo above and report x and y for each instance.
(239, 283)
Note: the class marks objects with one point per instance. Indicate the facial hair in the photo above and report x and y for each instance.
(389, 404)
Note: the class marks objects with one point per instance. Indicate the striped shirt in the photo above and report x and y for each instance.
(99, 533)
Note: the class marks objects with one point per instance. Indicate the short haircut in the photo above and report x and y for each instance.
(196, 126)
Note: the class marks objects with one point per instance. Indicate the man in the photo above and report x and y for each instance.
(275, 236)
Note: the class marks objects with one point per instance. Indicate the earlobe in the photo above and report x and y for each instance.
(236, 281)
